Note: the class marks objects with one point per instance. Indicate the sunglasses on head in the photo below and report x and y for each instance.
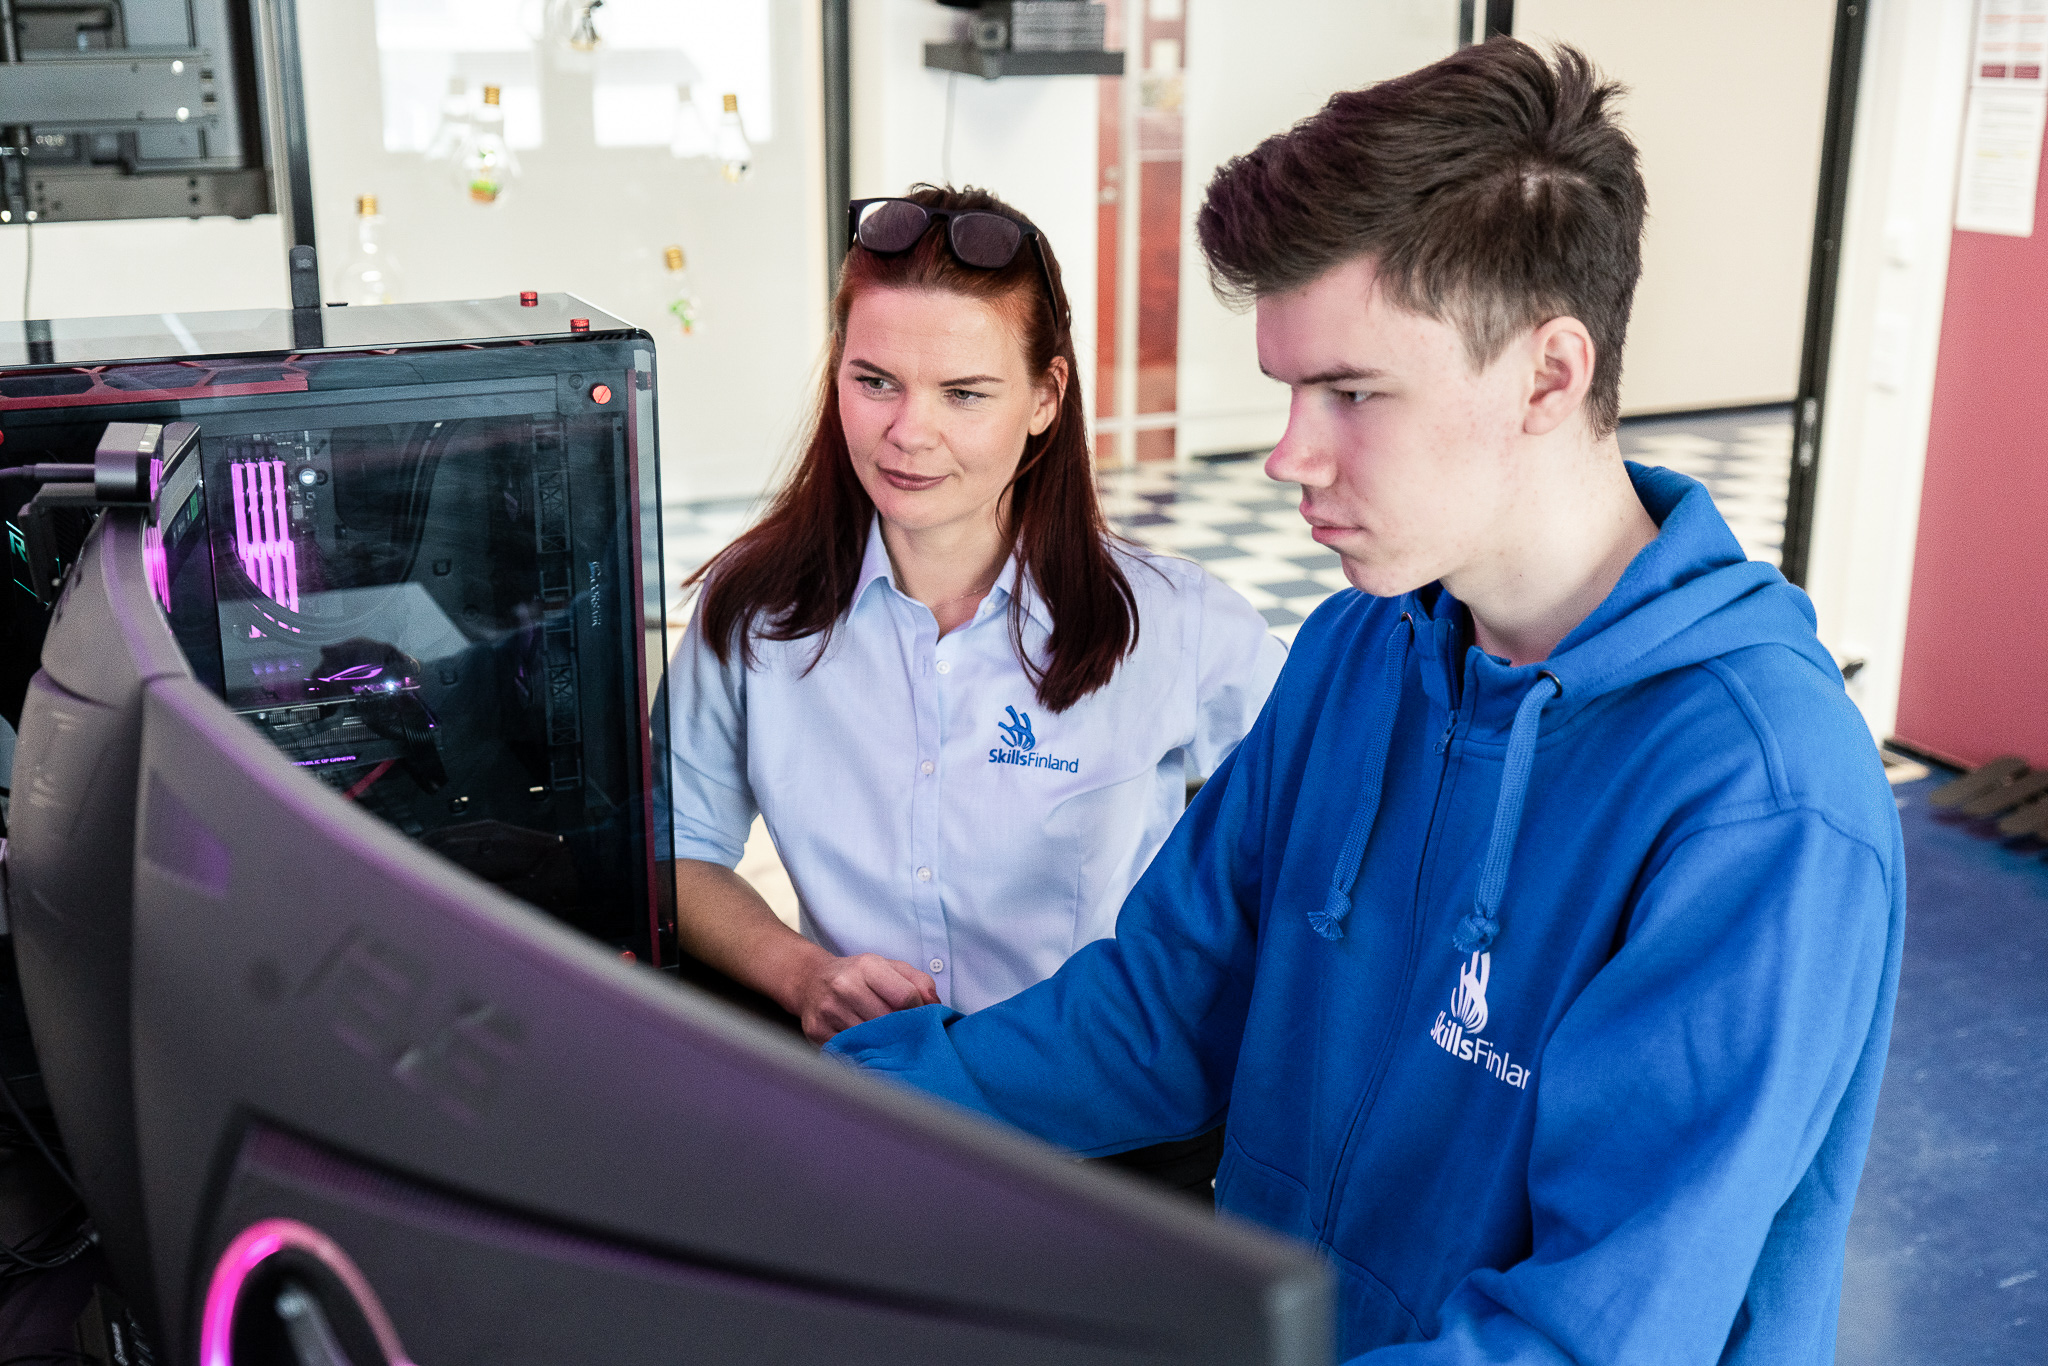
(979, 238)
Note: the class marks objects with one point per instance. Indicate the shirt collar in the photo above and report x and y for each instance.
(1013, 581)
(1018, 583)
(874, 563)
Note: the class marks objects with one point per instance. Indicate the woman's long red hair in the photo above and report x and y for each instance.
(792, 575)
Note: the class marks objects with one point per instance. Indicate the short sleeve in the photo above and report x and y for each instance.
(1237, 660)
(712, 804)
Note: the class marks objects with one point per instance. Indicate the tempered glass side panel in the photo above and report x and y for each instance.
(653, 599)
(427, 595)
(414, 569)
(181, 564)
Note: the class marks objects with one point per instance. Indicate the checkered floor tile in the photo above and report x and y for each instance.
(1744, 458)
(1244, 528)
(1248, 531)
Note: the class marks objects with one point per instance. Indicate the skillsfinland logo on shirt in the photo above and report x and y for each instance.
(1020, 746)
(1457, 1030)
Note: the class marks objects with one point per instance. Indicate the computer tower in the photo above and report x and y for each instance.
(420, 569)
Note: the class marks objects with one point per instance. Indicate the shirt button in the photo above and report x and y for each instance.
(926, 766)
(944, 667)
(924, 875)
(938, 965)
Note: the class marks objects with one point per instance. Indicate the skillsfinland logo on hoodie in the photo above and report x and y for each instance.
(1457, 1030)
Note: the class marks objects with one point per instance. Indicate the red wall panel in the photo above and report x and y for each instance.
(1975, 683)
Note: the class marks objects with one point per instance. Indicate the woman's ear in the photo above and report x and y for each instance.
(1050, 391)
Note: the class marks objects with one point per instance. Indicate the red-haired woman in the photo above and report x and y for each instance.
(967, 713)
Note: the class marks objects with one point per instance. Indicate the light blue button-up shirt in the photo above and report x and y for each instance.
(927, 808)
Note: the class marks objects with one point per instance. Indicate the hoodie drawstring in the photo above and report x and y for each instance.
(1476, 930)
(1329, 921)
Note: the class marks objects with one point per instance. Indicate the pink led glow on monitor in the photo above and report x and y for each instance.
(153, 563)
(256, 1245)
(263, 537)
(155, 566)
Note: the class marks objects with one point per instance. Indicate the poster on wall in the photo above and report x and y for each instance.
(2001, 162)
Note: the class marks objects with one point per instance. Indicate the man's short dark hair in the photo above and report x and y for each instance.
(1493, 191)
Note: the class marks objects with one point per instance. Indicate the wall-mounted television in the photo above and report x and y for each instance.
(133, 109)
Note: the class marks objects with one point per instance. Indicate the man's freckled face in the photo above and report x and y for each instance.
(1398, 444)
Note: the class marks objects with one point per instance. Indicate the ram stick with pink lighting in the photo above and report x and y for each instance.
(263, 538)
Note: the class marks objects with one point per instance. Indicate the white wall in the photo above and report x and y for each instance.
(586, 220)
(1880, 392)
(593, 221)
(1726, 103)
(1030, 140)
(1253, 70)
(168, 265)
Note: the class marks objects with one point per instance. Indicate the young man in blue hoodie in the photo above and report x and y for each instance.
(1538, 946)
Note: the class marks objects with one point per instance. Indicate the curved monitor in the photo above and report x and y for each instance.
(386, 1109)
(70, 864)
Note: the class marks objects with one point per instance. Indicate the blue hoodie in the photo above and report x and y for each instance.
(1550, 1002)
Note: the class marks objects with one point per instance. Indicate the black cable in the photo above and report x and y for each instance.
(32, 1252)
(26, 1262)
(65, 1237)
(50, 474)
(410, 525)
(68, 1214)
(36, 1135)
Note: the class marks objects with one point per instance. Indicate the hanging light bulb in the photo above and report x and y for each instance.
(682, 301)
(735, 154)
(690, 136)
(487, 163)
(371, 275)
(583, 32)
(451, 132)
(568, 34)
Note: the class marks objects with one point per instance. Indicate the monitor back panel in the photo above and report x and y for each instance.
(483, 1109)
(70, 872)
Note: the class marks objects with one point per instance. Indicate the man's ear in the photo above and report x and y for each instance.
(1561, 371)
(1049, 391)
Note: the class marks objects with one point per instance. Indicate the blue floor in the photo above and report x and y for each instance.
(1948, 1250)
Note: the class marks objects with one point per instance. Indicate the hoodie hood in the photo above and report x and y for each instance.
(1687, 597)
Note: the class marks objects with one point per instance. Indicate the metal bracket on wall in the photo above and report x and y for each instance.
(838, 49)
(284, 98)
(1499, 18)
(309, 332)
(970, 60)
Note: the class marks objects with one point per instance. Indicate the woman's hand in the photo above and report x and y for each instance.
(724, 922)
(833, 994)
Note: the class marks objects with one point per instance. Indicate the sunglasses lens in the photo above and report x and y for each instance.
(892, 225)
(986, 240)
